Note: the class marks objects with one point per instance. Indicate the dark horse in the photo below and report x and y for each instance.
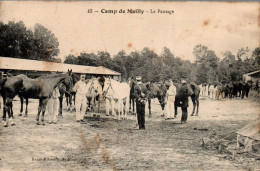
(156, 90)
(193, 92)
(64, 89)
(70, 95)
(132, 84)
(39, 88)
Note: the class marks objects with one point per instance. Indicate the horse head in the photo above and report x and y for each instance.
(68, 81)
(95, 88)
(107, 87)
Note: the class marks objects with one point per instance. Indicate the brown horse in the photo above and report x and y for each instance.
(156, 90)
(132, 84)
(69, 95)
(193, 92)
(39, 88)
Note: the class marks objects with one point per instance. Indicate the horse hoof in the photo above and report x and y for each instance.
(38, 124)
(43, 124)
(13, 124)
(20, 114)
(5, 125)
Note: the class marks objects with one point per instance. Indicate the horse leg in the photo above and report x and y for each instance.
(194, 105)
(26, 107)
(107, 106)
(21, 109)
(134, 102)
(197, 101)
(39, 112)
(130, 103)
(113, 108)
(61, 100)
(98, 103)
(70, 101)
(43, 107)
(149, 107)
(175, 110)
(9, 105)
(67, 102)
(4, 112)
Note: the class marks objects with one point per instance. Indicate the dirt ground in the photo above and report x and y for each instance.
(111, 145)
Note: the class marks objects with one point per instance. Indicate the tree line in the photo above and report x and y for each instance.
(40, 43)
(207, 68)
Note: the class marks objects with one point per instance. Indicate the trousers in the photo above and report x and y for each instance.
(140, 110)
(170, 107)
(184, 116)
(81, 106)
(53, 104)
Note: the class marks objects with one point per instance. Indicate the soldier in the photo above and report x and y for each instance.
(183, 100)
(81, 100)
(140, 94)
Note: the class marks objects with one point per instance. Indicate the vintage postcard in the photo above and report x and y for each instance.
(129, 85)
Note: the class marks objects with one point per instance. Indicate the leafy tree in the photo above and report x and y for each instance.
(19, 42)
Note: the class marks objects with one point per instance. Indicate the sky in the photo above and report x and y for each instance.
(221, 26)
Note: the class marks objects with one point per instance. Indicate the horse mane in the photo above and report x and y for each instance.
(51, 76)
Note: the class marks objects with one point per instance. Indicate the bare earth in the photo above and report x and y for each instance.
(108, 145)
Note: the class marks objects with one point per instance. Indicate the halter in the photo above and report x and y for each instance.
(109, 86)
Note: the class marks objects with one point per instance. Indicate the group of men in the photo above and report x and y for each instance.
(141, 95)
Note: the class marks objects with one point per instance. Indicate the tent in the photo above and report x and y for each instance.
(249, 136)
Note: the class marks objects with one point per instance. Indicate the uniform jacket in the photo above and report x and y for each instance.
(181, 99)
(138, 89)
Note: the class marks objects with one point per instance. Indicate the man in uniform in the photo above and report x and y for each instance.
(183, 100)
(140, 94)
(81, 100)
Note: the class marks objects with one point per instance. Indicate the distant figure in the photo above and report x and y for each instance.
(206, 90)
(140, 93)
(170, 99)
(211, 91)
(52, 106)
(215, 91)
(81, 100)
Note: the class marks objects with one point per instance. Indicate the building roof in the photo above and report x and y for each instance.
(254, 74)
(251, 130)
(34, 65)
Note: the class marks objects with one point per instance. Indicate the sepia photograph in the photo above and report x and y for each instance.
(129, 85)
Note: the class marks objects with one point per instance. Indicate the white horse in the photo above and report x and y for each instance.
(117, 97)
(94, 93)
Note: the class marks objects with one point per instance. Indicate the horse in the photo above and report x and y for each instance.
(117, 97)
(69, 95)
(39, 88)
(156, 90)
(94, 93)
(132, 84)
(193, 92)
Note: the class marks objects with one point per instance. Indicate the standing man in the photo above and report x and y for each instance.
(81, 100)
(53, 103)
(170, 98)
(140, 94)
(182, 100)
